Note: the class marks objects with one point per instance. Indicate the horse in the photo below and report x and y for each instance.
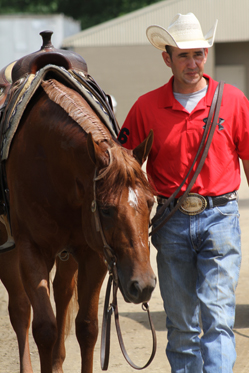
(63, 165)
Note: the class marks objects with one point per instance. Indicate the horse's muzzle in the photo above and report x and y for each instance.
(138, 290)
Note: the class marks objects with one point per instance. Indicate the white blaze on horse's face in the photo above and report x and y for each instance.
(132, 198)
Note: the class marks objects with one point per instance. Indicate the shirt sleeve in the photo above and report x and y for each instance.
(241, 120)
(132, 132)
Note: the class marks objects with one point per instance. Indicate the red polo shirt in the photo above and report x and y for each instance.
(178, 133)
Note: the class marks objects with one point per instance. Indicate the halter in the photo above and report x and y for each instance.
(110, 260)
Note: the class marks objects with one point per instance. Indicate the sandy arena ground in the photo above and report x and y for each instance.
(134, 324)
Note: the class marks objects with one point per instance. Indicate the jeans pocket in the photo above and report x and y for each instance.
(155, 237)
(230, 209)
(162, 216)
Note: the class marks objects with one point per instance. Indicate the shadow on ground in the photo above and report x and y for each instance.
(159, 318)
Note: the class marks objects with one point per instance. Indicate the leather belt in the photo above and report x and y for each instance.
(195, 203)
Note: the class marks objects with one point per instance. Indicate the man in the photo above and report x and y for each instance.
(199, 251)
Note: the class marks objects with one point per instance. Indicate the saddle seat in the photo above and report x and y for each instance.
(33, 62)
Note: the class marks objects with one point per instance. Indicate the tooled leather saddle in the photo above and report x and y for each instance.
(33, 62)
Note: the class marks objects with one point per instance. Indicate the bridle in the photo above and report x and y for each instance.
(109, 256)
(110, 260)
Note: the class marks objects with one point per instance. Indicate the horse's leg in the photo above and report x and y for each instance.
(64, 285)
(35, 275)
(91, 274)
(19, 306)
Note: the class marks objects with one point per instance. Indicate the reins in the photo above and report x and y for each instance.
(110, 308)
(207, 137)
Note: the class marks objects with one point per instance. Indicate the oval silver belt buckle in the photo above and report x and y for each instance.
(193, 204)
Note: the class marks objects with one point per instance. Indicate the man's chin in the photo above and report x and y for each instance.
(193, 79)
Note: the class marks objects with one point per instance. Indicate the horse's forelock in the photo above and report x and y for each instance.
(123, 172)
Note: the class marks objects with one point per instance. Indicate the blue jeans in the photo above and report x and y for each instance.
(198, 262)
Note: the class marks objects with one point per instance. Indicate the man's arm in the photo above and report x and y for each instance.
(246, 169)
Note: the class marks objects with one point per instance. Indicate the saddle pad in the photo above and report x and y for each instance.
(30, 84)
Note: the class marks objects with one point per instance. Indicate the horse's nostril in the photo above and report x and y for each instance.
(139, 292)
(135, 290)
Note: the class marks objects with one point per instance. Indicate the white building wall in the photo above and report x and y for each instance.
(130, 29)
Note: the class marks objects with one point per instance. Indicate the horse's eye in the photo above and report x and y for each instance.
(105, 212)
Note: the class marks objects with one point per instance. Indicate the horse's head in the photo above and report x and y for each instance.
(124, 200)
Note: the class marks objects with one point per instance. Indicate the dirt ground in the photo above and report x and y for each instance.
(134, 324)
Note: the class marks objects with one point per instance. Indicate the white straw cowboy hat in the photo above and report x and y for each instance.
(184, 32)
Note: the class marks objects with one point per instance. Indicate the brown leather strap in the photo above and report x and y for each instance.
(127, 358)
(211, 122)
(106, 327)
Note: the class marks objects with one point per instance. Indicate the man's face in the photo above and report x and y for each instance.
(187, 66)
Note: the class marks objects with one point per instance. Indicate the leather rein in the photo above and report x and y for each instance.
(207, 138)
(110, 308)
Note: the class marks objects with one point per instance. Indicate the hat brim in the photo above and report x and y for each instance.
(159, 37)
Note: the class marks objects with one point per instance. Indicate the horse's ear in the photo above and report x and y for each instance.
(141, 152)
(96, 154)
(92, 148)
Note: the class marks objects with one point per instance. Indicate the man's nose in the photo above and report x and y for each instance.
(192, 62)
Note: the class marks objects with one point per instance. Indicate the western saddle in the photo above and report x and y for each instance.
(33, 62)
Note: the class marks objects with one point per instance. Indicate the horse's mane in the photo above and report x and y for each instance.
(77, 108)
(123, 171)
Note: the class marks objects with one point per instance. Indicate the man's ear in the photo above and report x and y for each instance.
(141, 152)
(205, 54)
(166, 58)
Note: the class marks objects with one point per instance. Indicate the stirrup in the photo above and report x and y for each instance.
(10, 243)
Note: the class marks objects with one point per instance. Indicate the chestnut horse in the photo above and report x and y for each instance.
(60, 151)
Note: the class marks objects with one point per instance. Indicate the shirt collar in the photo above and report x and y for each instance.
(167, 99)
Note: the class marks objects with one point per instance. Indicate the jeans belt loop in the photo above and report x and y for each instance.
(210, 202)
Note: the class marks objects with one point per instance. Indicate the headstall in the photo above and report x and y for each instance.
(110, 308)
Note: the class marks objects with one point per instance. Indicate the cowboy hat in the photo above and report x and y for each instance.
(184, 32)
